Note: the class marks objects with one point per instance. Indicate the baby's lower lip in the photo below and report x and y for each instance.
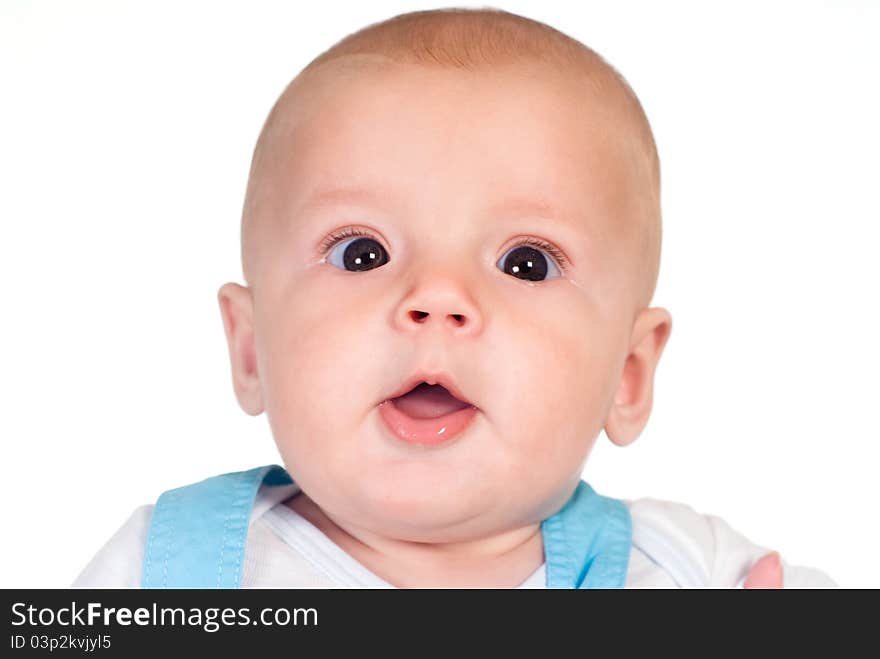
(434, 431)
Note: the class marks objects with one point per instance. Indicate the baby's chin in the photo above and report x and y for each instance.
(434, 525)
(417, 512)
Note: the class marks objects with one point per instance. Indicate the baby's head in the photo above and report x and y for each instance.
(390, 194)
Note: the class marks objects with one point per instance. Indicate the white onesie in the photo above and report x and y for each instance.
(673, 546)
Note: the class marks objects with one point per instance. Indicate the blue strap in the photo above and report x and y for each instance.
(198, 532)
(588, 542)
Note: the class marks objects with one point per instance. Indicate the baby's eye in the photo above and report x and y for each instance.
(356, 255)
(356, 251)
(525, 261)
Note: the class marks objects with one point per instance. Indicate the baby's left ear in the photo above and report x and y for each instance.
(236, 310)
(635, 393)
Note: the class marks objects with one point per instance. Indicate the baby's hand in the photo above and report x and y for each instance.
(765, 573)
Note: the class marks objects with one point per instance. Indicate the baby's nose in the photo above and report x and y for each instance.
(444, 306)
(422, 316)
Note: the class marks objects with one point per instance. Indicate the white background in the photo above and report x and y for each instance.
(126, 132)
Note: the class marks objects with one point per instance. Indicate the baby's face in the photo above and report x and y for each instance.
(443, 174)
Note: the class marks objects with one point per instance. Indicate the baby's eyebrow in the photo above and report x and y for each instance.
(377, 195)
(381, 196)
(528, 206)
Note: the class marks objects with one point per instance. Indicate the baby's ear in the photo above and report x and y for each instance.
(237, 311)
(635, 393)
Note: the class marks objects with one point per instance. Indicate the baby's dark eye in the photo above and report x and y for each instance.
(358, 255)
(355, 251)
(527, 262)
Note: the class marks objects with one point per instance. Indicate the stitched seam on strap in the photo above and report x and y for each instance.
(559, 564)
(606, 566)
(233, 500)
(149, 563)
(223, 547)
(172, 500)
(245, 496)
(599, 566)
(242, 492)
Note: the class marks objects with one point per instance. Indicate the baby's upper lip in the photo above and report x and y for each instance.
(435, 377)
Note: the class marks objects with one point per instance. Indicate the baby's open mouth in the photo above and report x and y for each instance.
(426, 414)
(428, 401)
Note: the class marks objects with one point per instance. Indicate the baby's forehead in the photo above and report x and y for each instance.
(554, 121)
(594, 92)
(511, 118)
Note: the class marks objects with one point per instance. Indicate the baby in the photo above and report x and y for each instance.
(450, 238)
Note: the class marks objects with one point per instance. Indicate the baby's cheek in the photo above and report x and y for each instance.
(553, 435)
(554, 422)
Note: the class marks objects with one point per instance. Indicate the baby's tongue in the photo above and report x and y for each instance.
(428, 401)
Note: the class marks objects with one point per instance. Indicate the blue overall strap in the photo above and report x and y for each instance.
(197, 532)
(588, 542)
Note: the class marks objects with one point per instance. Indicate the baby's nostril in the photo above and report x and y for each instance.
(418, 315)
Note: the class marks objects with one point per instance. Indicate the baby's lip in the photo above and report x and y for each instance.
(437, 377)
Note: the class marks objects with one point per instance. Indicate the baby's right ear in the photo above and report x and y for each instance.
(237, 310)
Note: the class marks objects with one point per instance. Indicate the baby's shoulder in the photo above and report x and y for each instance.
(698, 549)
(118, 564)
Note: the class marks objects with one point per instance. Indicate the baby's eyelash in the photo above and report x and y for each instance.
(554, 251)
(331, 240)
(334, 238)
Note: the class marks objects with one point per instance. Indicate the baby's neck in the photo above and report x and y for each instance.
(502, 561)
